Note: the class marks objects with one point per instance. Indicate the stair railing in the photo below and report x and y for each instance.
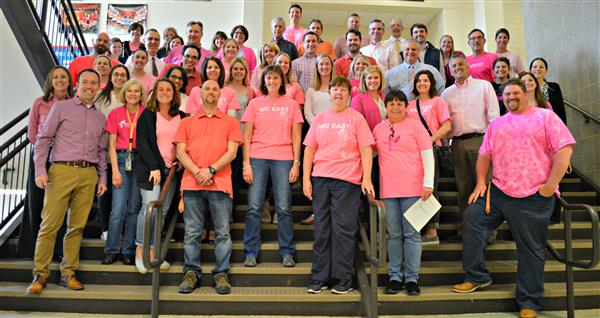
(375, 248)
(585, 114)
(567, 258)
(153, 217)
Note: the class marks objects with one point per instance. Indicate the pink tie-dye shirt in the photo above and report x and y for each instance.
(522, 147)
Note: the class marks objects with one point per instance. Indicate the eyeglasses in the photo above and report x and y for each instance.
(473, 38)
(191, 57)
(119, 75)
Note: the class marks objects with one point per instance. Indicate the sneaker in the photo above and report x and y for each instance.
(189, 283)
(412, 289)
(342, 287)
(288, 261)
(109, 258)
(433, 240)
(250, 261)
(222, 285)
(104, 235)
(394, 287)
(165, 265)
(275, 218)
(492, 239)
(316, 287)
(139, 264)
(468, 287)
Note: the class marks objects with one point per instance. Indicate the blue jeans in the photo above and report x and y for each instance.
(528, 220)
(147, 197)
(279, 170)
(404, 242)
(125, 208)
(196, 203)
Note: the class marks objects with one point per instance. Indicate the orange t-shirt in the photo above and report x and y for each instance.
(206, 139)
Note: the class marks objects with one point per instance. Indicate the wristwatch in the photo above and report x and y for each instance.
(212, 170)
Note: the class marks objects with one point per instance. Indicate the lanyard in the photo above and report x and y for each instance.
(131, 126)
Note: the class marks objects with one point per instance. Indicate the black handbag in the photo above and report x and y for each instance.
(444, 154)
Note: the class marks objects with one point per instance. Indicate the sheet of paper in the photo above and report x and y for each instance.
(421, 212)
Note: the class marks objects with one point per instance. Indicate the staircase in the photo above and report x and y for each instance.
(270, 288)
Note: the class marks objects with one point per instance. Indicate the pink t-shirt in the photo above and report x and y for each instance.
(292, 90)
(482, 66)
(165, 134)
(117, 123)
(522, 147)
(294, 35)
(338, 138)
(227, 101)
(435, 111)
(147, 81)
(399, 153)
(272, 119)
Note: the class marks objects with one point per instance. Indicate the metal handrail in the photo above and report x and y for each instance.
(585, 114)
(14, 122)
(375, 252)
(567, 259)
(154, 213)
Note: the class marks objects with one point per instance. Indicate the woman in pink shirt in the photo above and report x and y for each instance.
(272, 138)
(240, 34)
(534, 94)
(140, 58)
(212, 69)
(229, 52)
(102, 65)
(370, 102)
(267, 56)
(338, 156)
(121, 128)
(357, 67)
(217, 42)
(436, 120)
(447, 49)
(292, 88)
(57, 86)
(404, 150)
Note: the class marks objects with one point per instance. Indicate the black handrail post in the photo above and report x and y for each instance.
(568, 266)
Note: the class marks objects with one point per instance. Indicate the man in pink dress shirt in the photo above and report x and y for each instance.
(295, 33)
(530, 149)
(194, 37)
(481, 62)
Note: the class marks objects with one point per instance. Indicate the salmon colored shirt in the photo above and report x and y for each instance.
(292, 90)
(399, 154)
(272, 120)
(192, 81)
(434, 111)
(206, 139)
(117, 124)
(228, 100)
(522, 147)
(295, 35)
(81, 63)
(337, 138)
(324, 47)
(342, 64)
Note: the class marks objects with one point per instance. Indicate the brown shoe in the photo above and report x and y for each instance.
(527, 313)
(71, 282)
(309, 220)
(37, 285)
(468, 287)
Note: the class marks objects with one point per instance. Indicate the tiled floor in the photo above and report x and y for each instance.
(592, 313)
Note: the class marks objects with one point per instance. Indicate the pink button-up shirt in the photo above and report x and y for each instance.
(175, 56)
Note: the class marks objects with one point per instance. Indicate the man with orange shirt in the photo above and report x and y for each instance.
(80, 63)
(206, 145)
(342, 64)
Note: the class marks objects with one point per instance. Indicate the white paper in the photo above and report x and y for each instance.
(422, 211)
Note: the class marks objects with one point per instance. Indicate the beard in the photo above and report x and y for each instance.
(513, 105)
(100, 49)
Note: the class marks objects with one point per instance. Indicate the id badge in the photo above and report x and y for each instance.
(128, 162)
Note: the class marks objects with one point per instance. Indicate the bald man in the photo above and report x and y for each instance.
(101, 47)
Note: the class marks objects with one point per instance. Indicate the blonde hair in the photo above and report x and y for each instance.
(127, 85)
(357, 57)
(316, 83)
(244, 64)
(287, 78)
(272, 46)
(363, 78)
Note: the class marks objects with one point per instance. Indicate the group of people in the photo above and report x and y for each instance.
(378, 115)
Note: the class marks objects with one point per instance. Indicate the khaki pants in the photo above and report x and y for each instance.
(67, 187)
(464, 157)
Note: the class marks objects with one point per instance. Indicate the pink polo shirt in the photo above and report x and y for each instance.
(272, 120)
(117, 123)
(294, 35)
(400, 157)
(482, 66)
(227, 101)
(434, 111)
(338, 138)
(522, 147)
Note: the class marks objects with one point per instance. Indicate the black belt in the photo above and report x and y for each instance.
(468, 136)
(76, 163)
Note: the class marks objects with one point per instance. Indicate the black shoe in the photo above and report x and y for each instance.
(109, 258)
(342, 287)
(316, 287)
(394, 287)
(412, 289)
(128, 259)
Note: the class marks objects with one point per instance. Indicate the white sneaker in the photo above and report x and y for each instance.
(165, 265)
(275, 218)
(104, 235)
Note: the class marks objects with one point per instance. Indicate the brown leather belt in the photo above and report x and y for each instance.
(76, 164)
(468, 136)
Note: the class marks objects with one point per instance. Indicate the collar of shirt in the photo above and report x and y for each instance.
(79, 102)
(465, 84)
(393, 39)
(200, 114)
(414, 65)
